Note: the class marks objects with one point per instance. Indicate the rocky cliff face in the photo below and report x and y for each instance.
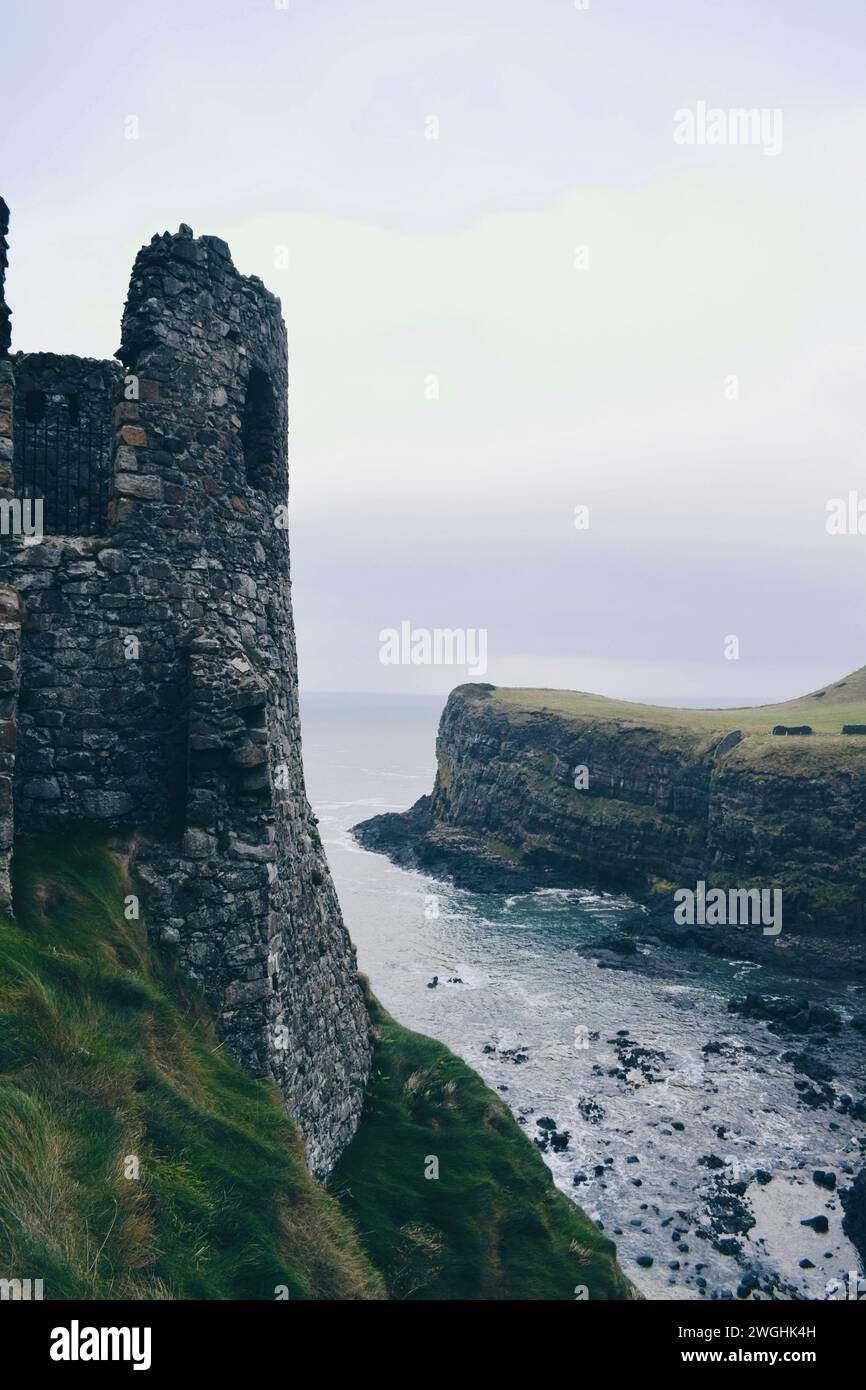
(655, 806)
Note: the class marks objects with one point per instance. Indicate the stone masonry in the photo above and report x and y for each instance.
(148, 676)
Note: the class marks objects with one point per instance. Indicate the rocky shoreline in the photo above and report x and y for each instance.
(411, 840)
(504, 819)
(649, 942)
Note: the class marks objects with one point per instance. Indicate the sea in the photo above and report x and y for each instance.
(679, 1127)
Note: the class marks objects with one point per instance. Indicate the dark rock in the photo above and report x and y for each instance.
(785, 1015)
(813, 1067)
(616, 945)
(819, 1224)
(853, 1201)
(824, 1179)
(590, 1110)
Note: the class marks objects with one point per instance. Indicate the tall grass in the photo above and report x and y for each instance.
(110, 1066)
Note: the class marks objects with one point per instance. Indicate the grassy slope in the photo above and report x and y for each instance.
(492, 1225)
(826, 710)
(104, 1053)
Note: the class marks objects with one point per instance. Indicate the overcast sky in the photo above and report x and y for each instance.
(543, 308)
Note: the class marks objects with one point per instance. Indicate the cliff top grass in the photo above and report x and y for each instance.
(138, 1161)
(824, 710)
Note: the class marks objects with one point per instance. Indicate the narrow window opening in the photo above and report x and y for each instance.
(34, 406)
(259, 430)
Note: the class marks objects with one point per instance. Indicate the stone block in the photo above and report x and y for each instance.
(148, 487)
(198, 844)
(133, 435)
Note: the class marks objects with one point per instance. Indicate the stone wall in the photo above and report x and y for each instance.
(5, 315)
(10, 651)
(102, 733)
(63, 429)
(7, 397)
(158, 682)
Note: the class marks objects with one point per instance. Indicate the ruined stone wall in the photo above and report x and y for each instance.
(202, 480)
(10, 672)
(5, 315)
(10, 628)
(7, 398)
(158, 682)
(63, 430)
(101, 718)
(6, 374)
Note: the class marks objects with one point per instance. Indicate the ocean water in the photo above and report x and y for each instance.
(666, 1099)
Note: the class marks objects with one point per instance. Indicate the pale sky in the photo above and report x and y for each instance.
(462, 375)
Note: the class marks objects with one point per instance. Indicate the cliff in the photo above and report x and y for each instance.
(543, 787)
(139, 1161)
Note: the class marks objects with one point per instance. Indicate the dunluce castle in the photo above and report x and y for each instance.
(148, 679)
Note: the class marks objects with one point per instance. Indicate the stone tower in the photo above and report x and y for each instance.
(151, 675)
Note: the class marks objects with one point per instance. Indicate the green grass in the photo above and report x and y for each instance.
(104, 1056)
(107, 1056)
(696, 731)
(825, 710)
(491, 1225)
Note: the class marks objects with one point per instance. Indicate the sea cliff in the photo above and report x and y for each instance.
(551, 788)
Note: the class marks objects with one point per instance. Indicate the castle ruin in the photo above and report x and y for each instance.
(148, 675)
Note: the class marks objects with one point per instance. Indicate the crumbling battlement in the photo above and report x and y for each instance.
(148, 675)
